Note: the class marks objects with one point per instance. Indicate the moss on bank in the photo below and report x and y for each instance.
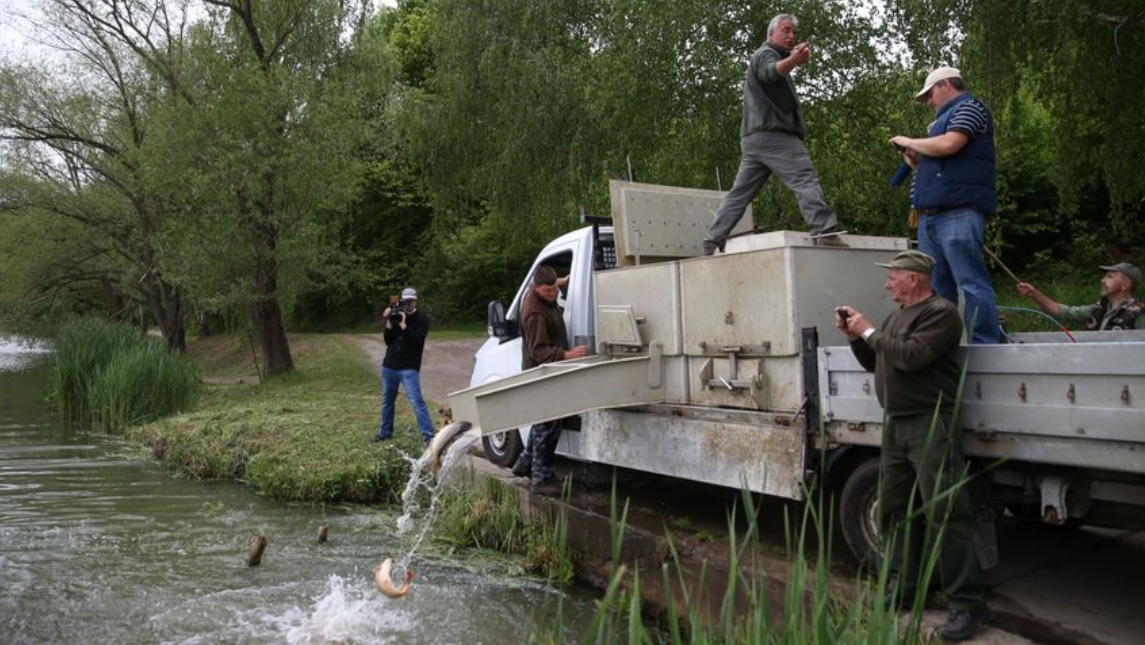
(304, 436)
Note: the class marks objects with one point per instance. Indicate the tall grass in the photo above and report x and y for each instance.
(109, 373)
(83, 347)
(490, 517)
(143, 383)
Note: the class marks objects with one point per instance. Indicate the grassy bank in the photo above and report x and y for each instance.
(303, 436)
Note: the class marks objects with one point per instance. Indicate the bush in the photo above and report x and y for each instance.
(143, 383)
(83, 347)
(109, 372)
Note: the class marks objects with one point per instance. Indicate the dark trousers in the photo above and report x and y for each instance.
(540, 452)
(919, 468)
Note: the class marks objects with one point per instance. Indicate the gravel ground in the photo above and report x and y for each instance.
(445, 365)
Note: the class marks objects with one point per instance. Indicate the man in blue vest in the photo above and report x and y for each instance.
(954, 194)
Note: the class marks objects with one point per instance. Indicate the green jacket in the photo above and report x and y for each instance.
(769, 100)
(915, 357)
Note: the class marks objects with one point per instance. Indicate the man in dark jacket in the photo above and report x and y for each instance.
(771, 139)
(914, 357)
(545, 341)
(406, 329)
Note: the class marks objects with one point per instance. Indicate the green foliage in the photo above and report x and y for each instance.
(143, 383)
(83, 347)
(109, 373)
(302, 436)
(490, 517)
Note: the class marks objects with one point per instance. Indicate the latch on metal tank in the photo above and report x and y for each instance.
(756, 384)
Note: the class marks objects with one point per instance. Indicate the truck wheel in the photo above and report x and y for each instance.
(858, 512)
(503, 448)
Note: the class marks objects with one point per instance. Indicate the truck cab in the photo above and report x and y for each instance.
(577, 255)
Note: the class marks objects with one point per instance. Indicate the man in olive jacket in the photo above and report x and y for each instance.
(771, 140)
(917, 369)
(546, 341)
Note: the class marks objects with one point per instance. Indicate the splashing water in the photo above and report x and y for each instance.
(417, 511)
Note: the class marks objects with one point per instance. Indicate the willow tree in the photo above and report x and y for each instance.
(1065, 79)
(258, 142)
(75, 124)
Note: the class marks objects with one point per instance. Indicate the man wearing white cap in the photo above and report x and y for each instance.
(953, 195)
(406, 329)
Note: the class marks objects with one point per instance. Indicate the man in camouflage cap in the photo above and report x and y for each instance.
(914, 357)
(1118, 308)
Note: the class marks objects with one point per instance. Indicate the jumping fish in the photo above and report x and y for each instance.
(385, 583)
(443, 438)
(257, 546)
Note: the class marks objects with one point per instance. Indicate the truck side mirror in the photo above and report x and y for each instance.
(496, 320)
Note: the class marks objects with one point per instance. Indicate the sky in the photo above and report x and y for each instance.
(17, 36)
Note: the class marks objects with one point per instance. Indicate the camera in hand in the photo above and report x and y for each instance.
(395, 316)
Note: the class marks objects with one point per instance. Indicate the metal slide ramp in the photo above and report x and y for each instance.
(557, 390)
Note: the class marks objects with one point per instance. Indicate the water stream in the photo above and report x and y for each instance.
(98, 543)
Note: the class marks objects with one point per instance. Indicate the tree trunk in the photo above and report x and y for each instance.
(266, 318)
(168, 309)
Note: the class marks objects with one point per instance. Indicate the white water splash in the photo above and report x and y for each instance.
(350, 615)
(417, 511)
(17, 352)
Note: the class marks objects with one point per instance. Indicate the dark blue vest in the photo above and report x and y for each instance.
(964, 179)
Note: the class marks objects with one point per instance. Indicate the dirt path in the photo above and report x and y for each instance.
(445, 365)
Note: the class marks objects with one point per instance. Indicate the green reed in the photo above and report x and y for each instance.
(109, 373)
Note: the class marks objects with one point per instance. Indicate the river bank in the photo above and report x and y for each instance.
(304, 436)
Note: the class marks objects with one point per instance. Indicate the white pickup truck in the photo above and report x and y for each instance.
(727, 370)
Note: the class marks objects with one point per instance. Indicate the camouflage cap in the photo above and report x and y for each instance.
(912, 260)
(1128, 270)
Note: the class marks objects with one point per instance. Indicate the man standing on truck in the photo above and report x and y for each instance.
(954, 193)
(917, 370)
(545, 341)
(1117, 309)
(771, 140)
(406, 329)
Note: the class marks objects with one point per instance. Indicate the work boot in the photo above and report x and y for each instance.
(962, 623)
(524, 465)
(830, 237)
(710, 247)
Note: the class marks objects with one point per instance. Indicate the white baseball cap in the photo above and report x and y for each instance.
(939, 74)
(409, 294)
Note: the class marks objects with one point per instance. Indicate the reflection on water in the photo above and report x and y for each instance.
(17, 353)
(99, 544)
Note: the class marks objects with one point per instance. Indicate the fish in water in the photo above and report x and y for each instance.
(257, 546)
(441, 441)
(323, 533)
(385, 583)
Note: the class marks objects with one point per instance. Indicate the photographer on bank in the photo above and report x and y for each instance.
(406, 329)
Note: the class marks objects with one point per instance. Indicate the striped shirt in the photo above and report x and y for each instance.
(970, 118)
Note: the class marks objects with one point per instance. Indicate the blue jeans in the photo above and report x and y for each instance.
(954, 239)
(411, 381)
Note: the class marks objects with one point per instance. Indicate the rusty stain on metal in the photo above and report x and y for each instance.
(1071, 394)
(1022, 392)
(1125, 394)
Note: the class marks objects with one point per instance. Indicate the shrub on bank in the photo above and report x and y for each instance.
(303, 436)
(109, 373)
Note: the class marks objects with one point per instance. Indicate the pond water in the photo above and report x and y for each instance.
(98, 543)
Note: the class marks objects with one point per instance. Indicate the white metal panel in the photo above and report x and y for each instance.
(664, 222)
(766, 458)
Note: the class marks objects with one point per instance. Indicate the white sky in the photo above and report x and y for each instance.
(17, 36)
